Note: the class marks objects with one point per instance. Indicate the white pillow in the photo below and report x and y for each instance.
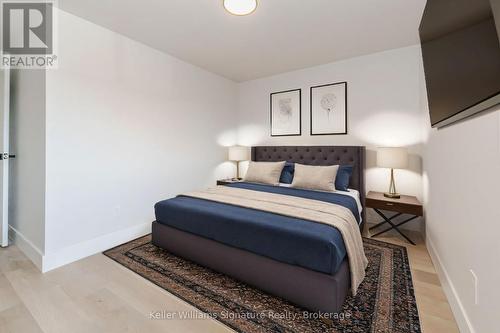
(264, 172)
(321, 178)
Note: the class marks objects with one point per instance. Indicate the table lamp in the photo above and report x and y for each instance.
(393, 158)
(238, 154)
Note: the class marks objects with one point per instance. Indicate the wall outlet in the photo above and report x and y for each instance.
(476, 287)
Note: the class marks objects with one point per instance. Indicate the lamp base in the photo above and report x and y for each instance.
(392, 195)
(392, 189)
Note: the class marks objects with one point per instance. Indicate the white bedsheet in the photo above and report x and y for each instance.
(355, 194)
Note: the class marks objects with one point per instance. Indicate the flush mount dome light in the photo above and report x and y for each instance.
(240, 7)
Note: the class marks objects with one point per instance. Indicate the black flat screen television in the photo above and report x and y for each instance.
(461, 53)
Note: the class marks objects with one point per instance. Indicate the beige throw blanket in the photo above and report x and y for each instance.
(307, 209)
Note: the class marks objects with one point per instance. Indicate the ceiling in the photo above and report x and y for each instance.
(282, 35)
(444, 17)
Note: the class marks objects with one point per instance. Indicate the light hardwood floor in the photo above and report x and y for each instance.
(98, 295)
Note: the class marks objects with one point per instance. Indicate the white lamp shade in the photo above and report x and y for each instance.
(392, 157)
(238, 153)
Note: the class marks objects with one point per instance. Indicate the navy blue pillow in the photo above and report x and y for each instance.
(287, 173)
(343, 177)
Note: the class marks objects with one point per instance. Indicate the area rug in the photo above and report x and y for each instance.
(385, 301)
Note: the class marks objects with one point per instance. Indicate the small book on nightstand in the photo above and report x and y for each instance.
(229, 181)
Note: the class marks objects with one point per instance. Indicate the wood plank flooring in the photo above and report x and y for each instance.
(98, 295)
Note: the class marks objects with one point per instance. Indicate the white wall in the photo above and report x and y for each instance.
(462, 173)
(384, 109)
(127, 126)
(27, 170)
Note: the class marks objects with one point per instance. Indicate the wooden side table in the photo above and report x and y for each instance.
(405, 205)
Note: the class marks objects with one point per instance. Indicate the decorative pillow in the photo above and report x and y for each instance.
(287, 173)
(264, 172)
(311, 177)
(343, 177)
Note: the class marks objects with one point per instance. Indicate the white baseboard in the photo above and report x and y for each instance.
(463, 322)
(53, 260)
(26, 246)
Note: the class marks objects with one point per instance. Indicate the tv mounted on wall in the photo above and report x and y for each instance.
(461, 53)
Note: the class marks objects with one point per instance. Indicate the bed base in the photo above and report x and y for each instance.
(308, 289)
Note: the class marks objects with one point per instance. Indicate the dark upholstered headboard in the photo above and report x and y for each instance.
(319, 155)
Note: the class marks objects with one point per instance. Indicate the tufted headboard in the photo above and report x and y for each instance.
(319, 155)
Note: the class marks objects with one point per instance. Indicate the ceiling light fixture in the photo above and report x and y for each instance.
(240, 7)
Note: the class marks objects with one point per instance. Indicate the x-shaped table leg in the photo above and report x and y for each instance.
(384, 222)
(393, 226)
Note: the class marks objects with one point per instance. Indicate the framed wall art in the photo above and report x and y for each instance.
(329, 109)
(286, 113)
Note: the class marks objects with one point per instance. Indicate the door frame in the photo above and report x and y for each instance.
(4, 218)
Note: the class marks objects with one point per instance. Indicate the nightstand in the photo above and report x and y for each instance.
(228, 181)
(405, 205)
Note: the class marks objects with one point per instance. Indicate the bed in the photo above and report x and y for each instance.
(301, 261)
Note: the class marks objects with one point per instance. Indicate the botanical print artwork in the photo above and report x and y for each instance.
(328, 102)
(329, 109)
(286, 113)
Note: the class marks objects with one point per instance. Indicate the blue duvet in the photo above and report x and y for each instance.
(307, 244)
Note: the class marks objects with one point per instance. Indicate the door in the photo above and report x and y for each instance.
(4, 156)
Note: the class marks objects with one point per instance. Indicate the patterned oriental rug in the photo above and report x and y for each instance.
(385, 301)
